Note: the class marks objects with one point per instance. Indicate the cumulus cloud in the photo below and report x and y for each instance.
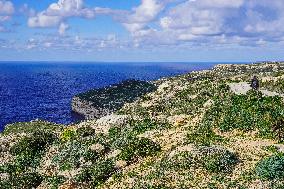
(136, 21)
(57, 13)
(6, 11)
(207, 21)
(172, 22)
(6, 8)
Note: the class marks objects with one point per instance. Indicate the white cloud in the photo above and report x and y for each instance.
(240, 22)
(6, 8)
(62, 28)
(6, 11)
(146, 12)
(58, 12)
(174, 22)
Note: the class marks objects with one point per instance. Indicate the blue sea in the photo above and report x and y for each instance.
(43, 90)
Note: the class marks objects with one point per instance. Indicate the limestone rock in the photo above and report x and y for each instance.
(97, 148)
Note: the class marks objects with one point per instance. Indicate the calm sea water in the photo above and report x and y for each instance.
(31, 90)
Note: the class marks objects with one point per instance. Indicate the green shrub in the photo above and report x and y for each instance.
(139, 148)
(98, 173)
(248, 112)
(271, 168)
(68, 134)
(85, 131)
(55, 181)
(271, 148)
(31, 127)
(204, 136)
(26, 180)
(217, 159)
(147, 124)
(29, 150)
(180, 161)
(70, 154)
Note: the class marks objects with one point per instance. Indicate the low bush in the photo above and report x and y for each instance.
(31, 127)
(138, 148)
(85, 131)
(204, 136)
(248, 112)
(271, 168)
(217, 159)
(29, 150)
(68, 134)
(98, 173)
(69, 155)
(180, 161)
(55, 181)
(26, 180)
(147, 124)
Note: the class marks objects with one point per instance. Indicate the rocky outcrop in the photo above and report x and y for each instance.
(98, 103)
(87, 110)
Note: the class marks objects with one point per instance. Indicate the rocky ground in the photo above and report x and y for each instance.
(204, 129)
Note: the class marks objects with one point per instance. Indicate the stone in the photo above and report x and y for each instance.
(68, 185)
(97, 148)
(105, 123)
(120, 164)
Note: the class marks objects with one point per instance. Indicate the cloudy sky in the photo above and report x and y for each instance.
(142, 30)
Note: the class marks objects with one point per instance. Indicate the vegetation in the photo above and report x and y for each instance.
(271, 168)
(216, 159)
(248, 112)
(115, 96)
(188, 131)
(98, 173)
(138, 148)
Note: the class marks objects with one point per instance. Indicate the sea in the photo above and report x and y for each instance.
(43, 90)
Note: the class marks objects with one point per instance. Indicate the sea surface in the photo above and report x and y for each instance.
(43, 90)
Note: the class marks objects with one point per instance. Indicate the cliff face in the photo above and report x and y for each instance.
(97, 103)
(87, 109)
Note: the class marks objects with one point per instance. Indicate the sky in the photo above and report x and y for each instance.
(142, 30)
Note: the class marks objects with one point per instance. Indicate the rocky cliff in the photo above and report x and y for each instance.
(101, 102)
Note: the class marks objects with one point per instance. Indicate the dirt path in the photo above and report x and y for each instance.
(243, 88)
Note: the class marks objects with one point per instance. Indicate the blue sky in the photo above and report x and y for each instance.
(142, 30)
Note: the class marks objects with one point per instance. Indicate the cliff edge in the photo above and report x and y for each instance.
(97, 103)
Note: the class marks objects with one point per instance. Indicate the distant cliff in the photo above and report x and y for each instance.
(104, 101)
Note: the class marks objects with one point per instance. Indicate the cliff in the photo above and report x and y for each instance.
(204, 129)
(101, 102)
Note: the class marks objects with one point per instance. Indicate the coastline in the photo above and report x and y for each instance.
(190, 129)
